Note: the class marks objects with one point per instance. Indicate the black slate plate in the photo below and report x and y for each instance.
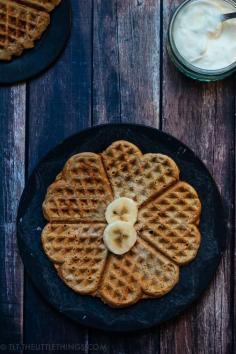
(90, 311)
(47, 49)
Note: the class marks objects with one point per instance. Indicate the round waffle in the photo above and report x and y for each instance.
(167, 225)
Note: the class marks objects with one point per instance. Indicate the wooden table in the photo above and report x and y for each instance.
(114, 69)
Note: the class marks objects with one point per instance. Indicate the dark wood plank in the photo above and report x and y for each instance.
(138, 342)
(126, 88)
(202, 116)
(138, 39)
(106, 80)
(59, 105)
(126, 43)
(12, 157)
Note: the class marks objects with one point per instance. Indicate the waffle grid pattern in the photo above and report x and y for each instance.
(46, 5)
(167, 226)
(21, 25)
(81, 193)
(138, 176)
(79, 253)
(142, 270)
(169, 223)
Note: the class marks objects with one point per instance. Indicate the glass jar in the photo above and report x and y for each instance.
(187, 68)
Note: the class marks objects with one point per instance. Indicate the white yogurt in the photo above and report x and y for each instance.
(201, 38)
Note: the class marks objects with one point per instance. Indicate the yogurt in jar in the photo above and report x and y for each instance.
(201, 38)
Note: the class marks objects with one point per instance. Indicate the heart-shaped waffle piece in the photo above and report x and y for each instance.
(78, 252)
(137, 176)
(80, 193)
(169, 223)
(141, 272)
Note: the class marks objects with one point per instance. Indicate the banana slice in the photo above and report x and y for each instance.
(123, 209)
(119, 237)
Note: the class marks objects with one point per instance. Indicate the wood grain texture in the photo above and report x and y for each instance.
(126, 43)
(106, 76)
(202, 116)
(12, 157)
(58, 106)
(138, 39)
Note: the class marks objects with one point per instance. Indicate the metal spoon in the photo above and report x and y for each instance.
(229, 16)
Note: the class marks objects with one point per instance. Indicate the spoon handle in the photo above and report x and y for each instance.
(229, 16)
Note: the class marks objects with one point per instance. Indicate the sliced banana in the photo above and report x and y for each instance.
(122, 209)
(119, 237)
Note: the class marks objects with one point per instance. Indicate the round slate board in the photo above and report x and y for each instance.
(34, 61)
(90, 311)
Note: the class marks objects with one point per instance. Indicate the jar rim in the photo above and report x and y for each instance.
(180, 58)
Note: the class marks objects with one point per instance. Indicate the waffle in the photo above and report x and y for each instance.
(46, 5)
(21, 26)
(78, 253)
(135, 175)
(167, 225)
(81, 193)
(140, 272)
